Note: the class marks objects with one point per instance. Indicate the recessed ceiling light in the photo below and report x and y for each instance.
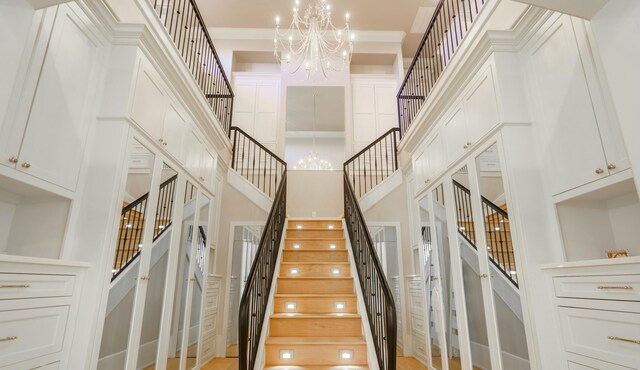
(346, 354)
(286, 354)
(290, 305)
(294, 270)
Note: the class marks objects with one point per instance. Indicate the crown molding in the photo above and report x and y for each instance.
(267, 34)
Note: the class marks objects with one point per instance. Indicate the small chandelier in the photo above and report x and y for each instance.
(312, 41)
(313, 162)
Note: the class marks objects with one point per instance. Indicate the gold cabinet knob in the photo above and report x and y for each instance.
(26, 165)
(201, 178)
(161, 141)
(13, 160)
(599, 171)
(611, 166)
(427, 181)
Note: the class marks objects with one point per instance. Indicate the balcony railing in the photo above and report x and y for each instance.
(186, 28)
(451, 22)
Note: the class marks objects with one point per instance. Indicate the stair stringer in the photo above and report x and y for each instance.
(249, 190)
(501, 285)
(372, 357)
(262, 352)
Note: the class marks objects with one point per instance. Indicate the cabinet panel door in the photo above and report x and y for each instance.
(193, 154)
(208, 163)
(173, 133)
(455, 135)
(481, 107)
(149, 102)
(570, 141)
(420, 169)
(62, 103)
(435, 156)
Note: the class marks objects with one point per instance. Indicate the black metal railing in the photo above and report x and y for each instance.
(373, 164)
(378, 299)
(253, 305)
(187, 29)
(132, 225)
(201, 248)
(449, 25)
(256, 163)
(498, 233)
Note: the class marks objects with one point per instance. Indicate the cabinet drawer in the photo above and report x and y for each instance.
(53, 366)
(31, 333)
(209, 323)
(605, 335)
(13, 286)
(614, 287)
(418, 325)
(141, 161)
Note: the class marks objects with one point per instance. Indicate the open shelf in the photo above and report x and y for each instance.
(602, 220)
(32, 221)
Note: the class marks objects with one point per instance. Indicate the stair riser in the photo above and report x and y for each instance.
(316, 270)
(315, 224)
(319, 354)
(315, 256)
(302, 233)
(306, 244)
(315, 305)
(320, 286)
(315, 327)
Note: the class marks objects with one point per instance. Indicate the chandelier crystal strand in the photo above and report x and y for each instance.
(312, 41)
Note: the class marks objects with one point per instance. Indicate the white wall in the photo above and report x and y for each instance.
(314, 191)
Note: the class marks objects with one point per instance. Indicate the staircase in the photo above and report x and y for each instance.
(315, 323)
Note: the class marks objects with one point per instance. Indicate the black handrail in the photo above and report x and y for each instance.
(253, 305)
(378, 299)
(373, 164)
(498, 233)
(256, 163)
(184, 23)
(450, 23)
(132, 225)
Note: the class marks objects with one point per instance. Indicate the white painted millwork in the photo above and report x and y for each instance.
(598, 303)
(579, 139)
(374, 108)
(38, 300)
(56, 99)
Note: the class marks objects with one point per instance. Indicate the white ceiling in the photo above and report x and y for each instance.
(327, 102)
(409, 16)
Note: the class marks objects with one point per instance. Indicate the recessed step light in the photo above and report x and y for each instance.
(346, 354)
(296, 246)
(335, 271)
(286, 354)
(299, 227)
(290, 305)
(341, 305)
(294, 270)
(331, 226)
(332, 246)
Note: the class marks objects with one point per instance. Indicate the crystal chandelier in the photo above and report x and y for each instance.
(313, 162)
(312, 41)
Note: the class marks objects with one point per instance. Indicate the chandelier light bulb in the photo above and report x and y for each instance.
(315, 44)
(347, 16)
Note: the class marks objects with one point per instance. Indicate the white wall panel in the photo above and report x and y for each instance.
(257, 105)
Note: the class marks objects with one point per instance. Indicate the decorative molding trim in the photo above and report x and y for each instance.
(267, 34)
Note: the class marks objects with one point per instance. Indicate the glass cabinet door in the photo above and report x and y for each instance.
(133, 236)
(501, 260)
(472, 315)
(158, 268)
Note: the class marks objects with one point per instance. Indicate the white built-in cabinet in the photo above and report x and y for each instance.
(374, 108)
(256, 106)
(56, 99)
(579, 136)
(429, 162)
(156, 112)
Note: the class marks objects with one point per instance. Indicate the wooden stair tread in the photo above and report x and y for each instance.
(316, 250)
(294, 315)
(311, 367)
(314, 278)
(337, 239)
(314, 263)
(316, 340)
(302, 295)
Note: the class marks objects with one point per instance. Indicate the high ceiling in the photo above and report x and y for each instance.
(410, 16)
